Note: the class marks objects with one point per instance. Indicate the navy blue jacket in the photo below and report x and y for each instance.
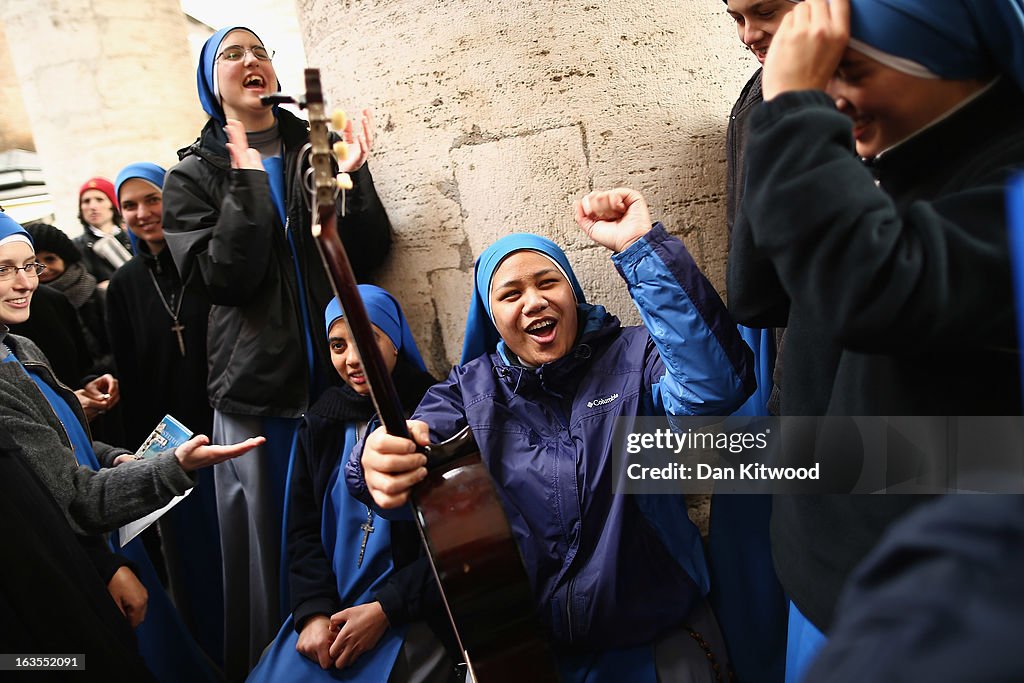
(940, 599)
(606, 570)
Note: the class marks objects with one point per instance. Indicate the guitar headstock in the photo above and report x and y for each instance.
(326, 183)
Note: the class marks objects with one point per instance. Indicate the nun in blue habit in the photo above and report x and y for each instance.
(901, 269)
(236, 222)
(164, 643)
(354, 576)
(157, 327)
(618, 581)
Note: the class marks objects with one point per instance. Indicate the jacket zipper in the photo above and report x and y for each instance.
(568, 605)
(60, 385)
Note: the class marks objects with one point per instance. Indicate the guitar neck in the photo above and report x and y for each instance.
(343, 281)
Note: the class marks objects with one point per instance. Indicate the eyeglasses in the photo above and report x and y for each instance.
(32, 270)
(236, 53)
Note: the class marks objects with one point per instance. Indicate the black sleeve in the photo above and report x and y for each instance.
(364, 229)
(311, 580)
(756, 296)
(882, 277)
(410, 594)
(228, 240)
(127, 362)
(102, 557)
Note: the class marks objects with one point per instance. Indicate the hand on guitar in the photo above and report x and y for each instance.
(392, 466)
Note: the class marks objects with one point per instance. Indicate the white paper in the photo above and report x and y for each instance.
(133, 529)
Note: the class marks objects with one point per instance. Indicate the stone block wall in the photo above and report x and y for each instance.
(494, 116)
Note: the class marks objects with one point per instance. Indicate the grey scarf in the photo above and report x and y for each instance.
(76, 283)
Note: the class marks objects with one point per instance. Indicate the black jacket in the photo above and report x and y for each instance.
(155, 378)
(98, 266)
(939, 600)
(222, 227)
(411, 592)
(53, 581)
(899, 296)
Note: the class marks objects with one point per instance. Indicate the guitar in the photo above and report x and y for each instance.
(460, 518)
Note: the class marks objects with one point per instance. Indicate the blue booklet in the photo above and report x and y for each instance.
(162, 441)
(167, 436)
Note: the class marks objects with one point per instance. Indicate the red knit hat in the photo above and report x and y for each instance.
(104, 186)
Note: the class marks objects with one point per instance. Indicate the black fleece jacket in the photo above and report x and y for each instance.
(221, 225)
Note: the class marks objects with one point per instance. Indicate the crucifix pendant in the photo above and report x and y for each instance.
(177, 328)
(368, 529)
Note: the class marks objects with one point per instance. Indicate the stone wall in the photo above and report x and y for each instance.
(105, 83)
(15, 129)
(493, 116)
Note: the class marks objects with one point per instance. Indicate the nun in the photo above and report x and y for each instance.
(236, 220)
(877, 170)
(157, 328)
(363, 597)
(47, 420)
(619, 581)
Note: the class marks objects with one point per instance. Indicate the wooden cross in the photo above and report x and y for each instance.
(368, 529)
(177, 328)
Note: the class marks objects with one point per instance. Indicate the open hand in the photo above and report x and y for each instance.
(360, 142)
(197, 453)
(242, 155)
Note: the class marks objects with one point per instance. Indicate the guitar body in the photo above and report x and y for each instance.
(460, 517)
(479, 567)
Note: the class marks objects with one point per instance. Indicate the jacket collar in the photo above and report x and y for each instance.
(212, 142)
(902, 171)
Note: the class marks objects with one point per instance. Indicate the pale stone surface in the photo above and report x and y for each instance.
(105, 83)
(492, 117)
(15, 129)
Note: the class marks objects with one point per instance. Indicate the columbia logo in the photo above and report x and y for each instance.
(602, 401)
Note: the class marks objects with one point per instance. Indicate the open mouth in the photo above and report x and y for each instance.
(254, 82)
(543, 331)
(860, 126)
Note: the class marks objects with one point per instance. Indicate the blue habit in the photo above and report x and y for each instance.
(164, 643)
(342, 537)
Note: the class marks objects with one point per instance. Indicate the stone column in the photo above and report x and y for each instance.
(493, 116)
(15, 130)
(105, 83)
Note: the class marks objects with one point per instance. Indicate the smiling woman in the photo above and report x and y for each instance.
(19, 276)
(546, 377)
(95, 488)
(236, 223)
(882, 273)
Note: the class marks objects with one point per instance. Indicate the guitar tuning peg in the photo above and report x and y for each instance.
(338, 119)
(340, 150)
(344, 181)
